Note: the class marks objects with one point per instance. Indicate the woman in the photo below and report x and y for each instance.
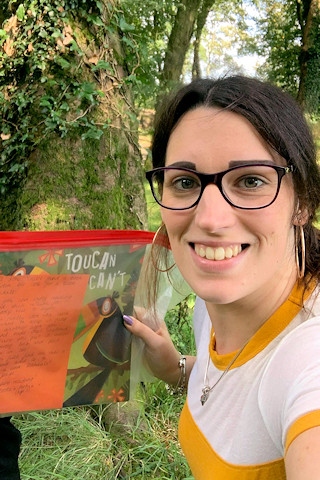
(238, 197)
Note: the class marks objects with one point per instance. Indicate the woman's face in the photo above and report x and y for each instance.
(227, 254)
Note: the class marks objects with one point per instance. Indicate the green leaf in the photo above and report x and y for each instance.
(96, 20)
(63, 63)
(20, 12)
(128, 42)
(124, 26)
(44, 102)
(92, 132)
(99, 5)
(102, 65)
(43, 33)
(56, 34)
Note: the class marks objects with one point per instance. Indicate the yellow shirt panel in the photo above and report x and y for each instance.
(304, 423)
(206, 464)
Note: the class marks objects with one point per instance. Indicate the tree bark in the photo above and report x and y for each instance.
(203, 13)
(308, 14)
(74, 180)
(179, 42)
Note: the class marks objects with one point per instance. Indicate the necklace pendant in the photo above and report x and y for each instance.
(205, 395)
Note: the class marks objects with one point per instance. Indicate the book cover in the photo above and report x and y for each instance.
(62, 338)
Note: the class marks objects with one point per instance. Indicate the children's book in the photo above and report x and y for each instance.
(63, 296)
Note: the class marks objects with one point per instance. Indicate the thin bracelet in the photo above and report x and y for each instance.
(182, 382)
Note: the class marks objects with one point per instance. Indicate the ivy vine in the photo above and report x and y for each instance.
(41, 89)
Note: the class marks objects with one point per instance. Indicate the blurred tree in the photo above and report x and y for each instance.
(290, 41)
(179, 41)
(308, 13)
(224, 34)
(204, 10)
(163, 32)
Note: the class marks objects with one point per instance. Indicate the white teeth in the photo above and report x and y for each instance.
(209, 253)
(219, 253)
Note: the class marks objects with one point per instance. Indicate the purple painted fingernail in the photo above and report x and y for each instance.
(128, 320)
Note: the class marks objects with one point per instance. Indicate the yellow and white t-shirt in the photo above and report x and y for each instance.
(270, 395)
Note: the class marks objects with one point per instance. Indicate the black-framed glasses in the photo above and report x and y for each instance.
(247, 186)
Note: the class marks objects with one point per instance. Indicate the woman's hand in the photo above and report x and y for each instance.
(160, 354)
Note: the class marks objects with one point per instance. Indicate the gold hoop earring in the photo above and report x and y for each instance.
(300, 236)
(164, 242)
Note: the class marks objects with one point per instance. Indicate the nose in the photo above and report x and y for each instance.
(213, 212)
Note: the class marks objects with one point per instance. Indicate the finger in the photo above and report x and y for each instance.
(142, 331)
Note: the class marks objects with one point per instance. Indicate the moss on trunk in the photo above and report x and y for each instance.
(76, 184)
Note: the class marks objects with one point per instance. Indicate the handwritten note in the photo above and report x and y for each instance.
(38, 317)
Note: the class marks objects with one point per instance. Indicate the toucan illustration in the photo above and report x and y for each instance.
(107, 345)
(28, 270)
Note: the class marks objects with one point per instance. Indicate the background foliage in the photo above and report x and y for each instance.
(64, 83)
(38, 47)
(290, 44)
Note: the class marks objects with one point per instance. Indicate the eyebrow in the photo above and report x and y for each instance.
(183, 164)
(232, 163)
(235, 163)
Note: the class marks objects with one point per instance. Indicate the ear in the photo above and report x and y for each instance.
(301, 217)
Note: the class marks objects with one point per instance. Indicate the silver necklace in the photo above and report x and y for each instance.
(206, 390)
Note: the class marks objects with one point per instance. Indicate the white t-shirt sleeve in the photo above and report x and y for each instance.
(290, 386)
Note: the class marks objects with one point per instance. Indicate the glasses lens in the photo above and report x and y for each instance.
(176, 188)
(251, 186)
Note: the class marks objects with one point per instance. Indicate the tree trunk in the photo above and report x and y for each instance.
(82, 168)
(179, 42)
(309, 85)
(201, 21)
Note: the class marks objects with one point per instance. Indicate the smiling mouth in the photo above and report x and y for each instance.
(218, 253)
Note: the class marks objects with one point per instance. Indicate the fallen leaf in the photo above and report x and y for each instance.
(67, 39)
(60, 45)
(8, 47)
(94, 60)
(11, 24)
(67, 29)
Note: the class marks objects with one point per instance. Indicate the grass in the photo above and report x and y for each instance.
(90, 444)
(153, 209)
